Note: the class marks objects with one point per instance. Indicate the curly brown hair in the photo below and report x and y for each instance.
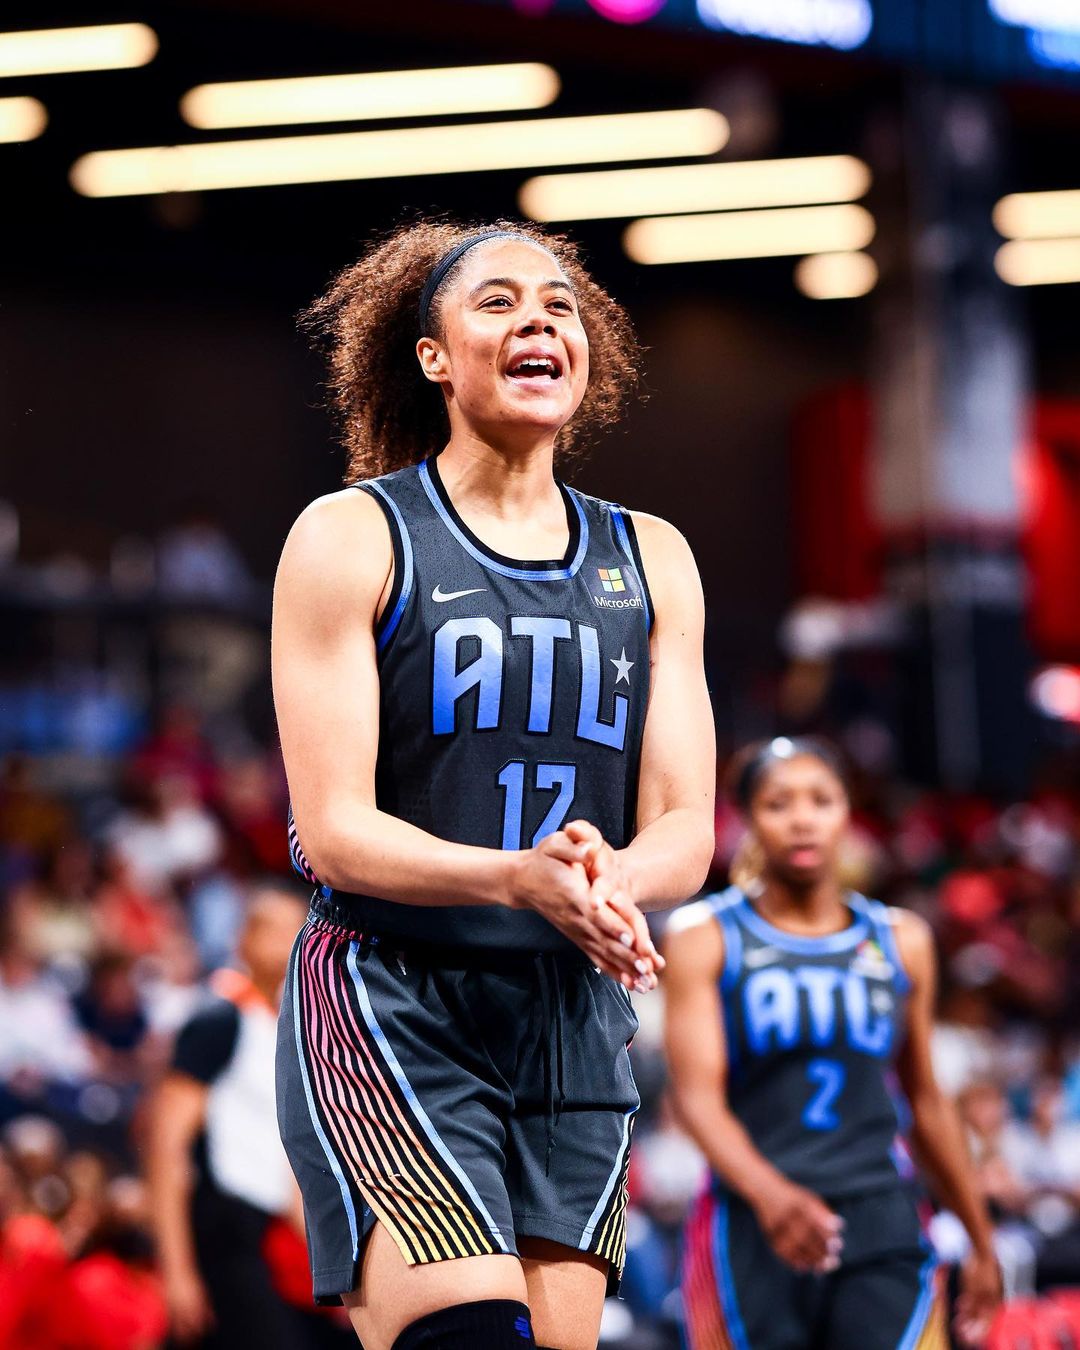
(389, 414)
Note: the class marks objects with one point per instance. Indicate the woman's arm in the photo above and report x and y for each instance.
(936, 1136)
(668, 858)
(799, 1225)
(334, 575)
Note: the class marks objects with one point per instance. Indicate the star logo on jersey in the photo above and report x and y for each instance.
(623, 666)
(881, 1001)
(440, 596)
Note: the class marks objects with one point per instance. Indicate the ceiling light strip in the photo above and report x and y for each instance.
(836, 276)
(1038, 215)
(671, 189)
(402, 152)
(377, 94)
(749, 234)
(58, 51)
(1039, 262)
(21, 119)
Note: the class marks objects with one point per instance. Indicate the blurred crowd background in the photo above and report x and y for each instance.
(864, 412)
(127, 873)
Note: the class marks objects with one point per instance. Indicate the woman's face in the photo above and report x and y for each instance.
(799, 813)
(512, 351)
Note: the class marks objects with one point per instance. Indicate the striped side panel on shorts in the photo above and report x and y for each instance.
(703, 1318)
(380, 1138)
(605, 1233)
(929, 1325)
(296, 853)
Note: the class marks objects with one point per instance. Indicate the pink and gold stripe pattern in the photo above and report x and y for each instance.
(704, 1322)
(376, 1132)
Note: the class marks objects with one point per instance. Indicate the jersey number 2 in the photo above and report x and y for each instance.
(828, 1077)
(549, 777)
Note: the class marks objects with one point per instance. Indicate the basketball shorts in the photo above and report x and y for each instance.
(738, 1295)
(462, 1099)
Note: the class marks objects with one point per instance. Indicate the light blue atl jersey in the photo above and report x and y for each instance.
(513, 694)
(813, 1025)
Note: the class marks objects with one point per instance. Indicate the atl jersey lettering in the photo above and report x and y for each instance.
(513, 694)
(813, 1025)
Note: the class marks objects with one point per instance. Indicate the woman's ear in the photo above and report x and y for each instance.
(433, 359)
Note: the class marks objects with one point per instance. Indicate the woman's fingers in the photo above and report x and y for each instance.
(581, 832)
(565, 848)
(611, 958)
(624, 907)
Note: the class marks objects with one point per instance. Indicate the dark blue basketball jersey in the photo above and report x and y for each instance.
(813, 1025)
(513, 694)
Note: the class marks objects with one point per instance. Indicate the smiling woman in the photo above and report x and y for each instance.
(370, 320)
(499, 749)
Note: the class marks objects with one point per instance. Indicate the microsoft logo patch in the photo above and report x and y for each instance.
(611, 579)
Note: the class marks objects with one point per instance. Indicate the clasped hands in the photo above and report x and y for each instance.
(577, 881)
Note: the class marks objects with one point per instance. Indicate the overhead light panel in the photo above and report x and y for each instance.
(1038, 215)
(749, 234)
(1039, 262)
(378, 94)
(58, 51)
(21, 119)
(674, 188)
(402, 152)
(836, 276)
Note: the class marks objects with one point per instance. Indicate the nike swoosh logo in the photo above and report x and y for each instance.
(440, 596)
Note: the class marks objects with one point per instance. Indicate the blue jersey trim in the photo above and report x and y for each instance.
(729, 1299)
(721, 906)
(388, 626)
(792, 942)
(923, 1308)
(878, 914)
(624, 543)
(516, 573)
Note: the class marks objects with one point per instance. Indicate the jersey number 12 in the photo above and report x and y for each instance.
(557, 778)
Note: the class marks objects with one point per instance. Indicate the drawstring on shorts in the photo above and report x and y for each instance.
(549, 980)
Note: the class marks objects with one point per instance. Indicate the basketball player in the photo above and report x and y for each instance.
(789, 1001)
(498, 740)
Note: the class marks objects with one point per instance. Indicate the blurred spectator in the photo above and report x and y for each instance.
(129, 917)
(198, 561)
(31, 822)
(44, 1057)
(252, 802)
(171, 985)
(111, 1013)
(215, 1112)
(984, 1112)
(75, 1258)
(1044, 1155)
(177, 748)
(964, 1044)
(669, 1170)
(166, 836)
(53, 911)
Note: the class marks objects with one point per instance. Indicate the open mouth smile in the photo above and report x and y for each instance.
(534, 367)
